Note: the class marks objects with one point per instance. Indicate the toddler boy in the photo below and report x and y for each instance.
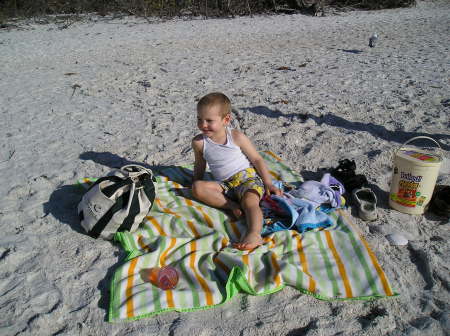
(241, 176)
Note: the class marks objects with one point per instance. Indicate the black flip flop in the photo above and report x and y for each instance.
(345, 170)
(345, 173)
(355, 182)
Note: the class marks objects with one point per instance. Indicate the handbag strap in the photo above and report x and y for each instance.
(111, 178)
(134, 171)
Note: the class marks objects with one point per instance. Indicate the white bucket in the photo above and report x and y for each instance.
(414, 177)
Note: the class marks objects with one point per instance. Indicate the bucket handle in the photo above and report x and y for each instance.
(419, 137)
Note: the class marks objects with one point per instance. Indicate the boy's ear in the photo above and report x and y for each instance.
(227, 118)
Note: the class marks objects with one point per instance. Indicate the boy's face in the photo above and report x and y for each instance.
(210, 120)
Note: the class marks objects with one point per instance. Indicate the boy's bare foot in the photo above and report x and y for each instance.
(249, 242)
(235, 213)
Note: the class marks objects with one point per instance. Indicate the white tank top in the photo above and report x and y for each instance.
(224, 160)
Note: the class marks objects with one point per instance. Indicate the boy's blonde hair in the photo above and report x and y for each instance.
(215, 98)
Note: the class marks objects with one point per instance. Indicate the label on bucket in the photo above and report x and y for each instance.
(408, 193)
(421, 156)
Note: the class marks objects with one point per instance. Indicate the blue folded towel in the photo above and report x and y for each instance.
(293, 214)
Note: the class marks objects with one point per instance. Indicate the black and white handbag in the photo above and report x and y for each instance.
(118, 201)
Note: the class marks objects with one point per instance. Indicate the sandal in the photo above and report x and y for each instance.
(345, 172)
(356, 182)
(366, 200)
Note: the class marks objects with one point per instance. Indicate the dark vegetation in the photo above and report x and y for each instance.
(171, 8)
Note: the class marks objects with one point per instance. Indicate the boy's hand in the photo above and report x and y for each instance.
(271, 189)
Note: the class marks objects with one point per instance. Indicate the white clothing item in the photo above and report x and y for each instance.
(224, 160)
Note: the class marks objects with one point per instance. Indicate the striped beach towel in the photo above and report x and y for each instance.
(329, 264)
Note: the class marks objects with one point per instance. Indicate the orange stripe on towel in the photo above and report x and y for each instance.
(235, 229)
(224, 242)
(170, 212)
(273, 155)
(275, 175)
(386, 287)
(206, 217)
(202, 282)
(129, 288)
(221, 264)
(304, 262)
(156, 225)
(193, 229)
(340, 264)
(142, 244)
(159, 203)
(277, 268)
(208, 220)
(270, 241)
(163, 256)
(246, 262)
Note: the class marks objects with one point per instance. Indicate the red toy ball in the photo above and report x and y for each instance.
(167, 278)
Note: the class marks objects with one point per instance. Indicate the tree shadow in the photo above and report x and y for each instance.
(375, 130)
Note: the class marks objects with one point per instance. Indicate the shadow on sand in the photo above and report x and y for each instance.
(104, 284)
(375, 130)
(352, 51)
(63, 202)
(115, 161)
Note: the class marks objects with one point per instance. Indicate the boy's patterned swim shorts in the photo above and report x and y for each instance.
(237, 185)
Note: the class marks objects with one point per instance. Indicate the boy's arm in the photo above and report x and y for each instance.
(199, 163)
(256, 160)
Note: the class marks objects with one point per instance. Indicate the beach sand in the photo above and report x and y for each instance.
(75, 102)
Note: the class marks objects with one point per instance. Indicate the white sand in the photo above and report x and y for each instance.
(347, 101)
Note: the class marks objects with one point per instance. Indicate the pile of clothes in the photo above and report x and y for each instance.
(304, 208)
(308, 206)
